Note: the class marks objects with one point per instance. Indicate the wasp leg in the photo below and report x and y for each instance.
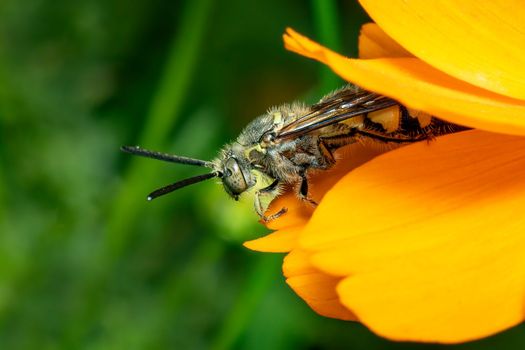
(326, 153)
(272, 190)
(303, 190)
(332, 143)
(327, 145)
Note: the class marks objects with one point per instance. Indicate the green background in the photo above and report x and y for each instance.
(85, 261)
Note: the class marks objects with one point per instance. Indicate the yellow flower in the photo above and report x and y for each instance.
(427, 242)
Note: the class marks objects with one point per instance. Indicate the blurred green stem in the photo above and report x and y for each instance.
(260, 278)
(326, 21)
(179, 286)
(162, 116)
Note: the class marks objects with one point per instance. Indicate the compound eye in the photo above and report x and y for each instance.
(231, 167)
(233, 177)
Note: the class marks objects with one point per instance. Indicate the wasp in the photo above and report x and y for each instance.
(281, 146)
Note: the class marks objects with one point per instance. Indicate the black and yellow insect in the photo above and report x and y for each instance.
(281, 146)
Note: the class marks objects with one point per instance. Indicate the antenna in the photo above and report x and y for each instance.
(138, 151)
(183, 183)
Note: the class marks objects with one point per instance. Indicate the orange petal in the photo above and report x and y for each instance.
(375, 43)
(314, 287)
(281, 241)
(419, 86)
(297, 212)
(431, 237)
(300, 44)
(480, 42)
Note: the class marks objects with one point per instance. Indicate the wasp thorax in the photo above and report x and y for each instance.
(233, 178)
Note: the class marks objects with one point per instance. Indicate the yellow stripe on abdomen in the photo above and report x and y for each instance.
(389, 118)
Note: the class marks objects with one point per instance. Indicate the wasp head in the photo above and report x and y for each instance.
(231, 166)
(235, 169)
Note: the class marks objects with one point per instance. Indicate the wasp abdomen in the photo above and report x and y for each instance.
(402, 125)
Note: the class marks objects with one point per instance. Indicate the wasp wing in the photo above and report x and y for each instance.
(342, 105)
